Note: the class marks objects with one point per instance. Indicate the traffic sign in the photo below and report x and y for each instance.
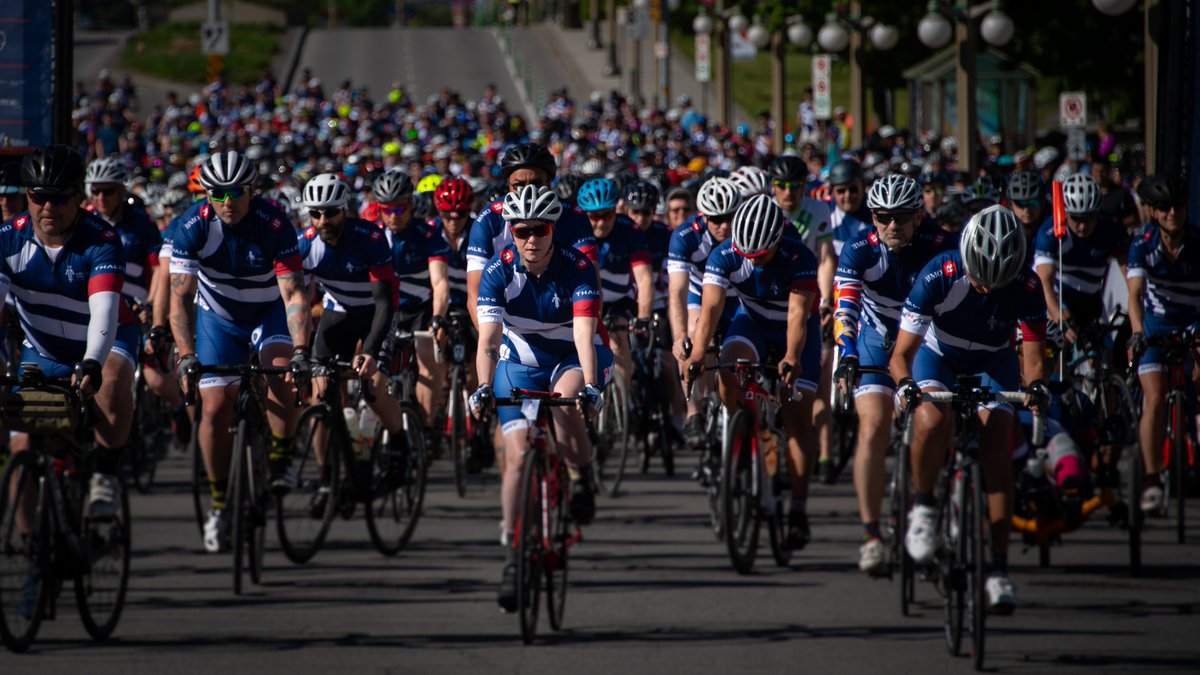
(214, 37)
(1077, 144)
(1072, 109)
(703, 58)
(822, 98)
(637, 23)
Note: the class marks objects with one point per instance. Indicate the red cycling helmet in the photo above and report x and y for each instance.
(453, 194)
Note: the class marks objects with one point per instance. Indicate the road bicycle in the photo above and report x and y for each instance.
(469, 437)
(613, 434)
(708, 470)
(46, 536)
(651, 395)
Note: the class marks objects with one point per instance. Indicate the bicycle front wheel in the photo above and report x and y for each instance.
(457, 419)
(740, 494)
(399, 468)
(900, 498)
(614, 438)
(201, 492)
(951, 560)
(101, 586)
(24, 552)
(529, 542)
(975, 529)
(559, 538)
(305, 512)
(238, 499)
(1179, 463)
(258, 471)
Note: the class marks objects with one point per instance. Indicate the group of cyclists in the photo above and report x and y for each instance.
(909, 271)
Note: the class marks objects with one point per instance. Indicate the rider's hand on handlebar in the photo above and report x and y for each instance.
(88, 377)
(908, 394)
(845, 374)
(594, 396)
(478, 400)
(187, 363)
(1037, 397)
(365, 365)
(1137, 345)
(681, 350)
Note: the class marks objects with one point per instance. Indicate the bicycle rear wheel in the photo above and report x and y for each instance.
(201, 493)
(975, 528)
(101, 586)
(24, 558)
(1135, 477)
(559, 531)
(529, 542)
(740, 494)
(1179, 463)
(614, 438)
(900, 490)
(457, 418)
(777, 517)
(305, 512)
(397, 484)
(951, 561)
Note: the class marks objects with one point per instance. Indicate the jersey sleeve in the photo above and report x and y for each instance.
(1136, 267)
(286, 254)
(802, 268)
(185, 245)
(639, 251)
(928, 290)
(379, 258)
(1031, 315)
(579, 235)
(436, 248)
(1045, 248)
(490, 305)
(479, 244)
(848, 285)
(585, 290)
(717, 270)
(679, 250)
(107, 273)
(154, 244)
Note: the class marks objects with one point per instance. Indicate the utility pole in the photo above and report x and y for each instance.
(612, 68)
(216, 62)
(721, 58)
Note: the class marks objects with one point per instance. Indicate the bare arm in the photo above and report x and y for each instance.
(1049, 280)
(1033, 356)
(295, 300)
(1137, 313)
(183, 312)
(677, 289)
(439, 282)
(644, 278)
(825, 271)
(903, 354)
(584, 332)
(487, 355)
(797, 329)
(712, 303)
(473, 277)
(160, 295)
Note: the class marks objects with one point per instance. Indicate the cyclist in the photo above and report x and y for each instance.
(1163, 296)
(679, 207)
(421, 259)
(12, 197)
(236, 284)
(538, 306)
(1091, 240)
(691, 244)
(776, 282)
(875, 272)
(65, 270)
(626, 279)
(849, 214)
(978, 196)
(960, 319)
(1027, 199)
(933, 192)
(751, 180)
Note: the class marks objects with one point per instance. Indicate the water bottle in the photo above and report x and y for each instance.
(351, 416)
(368, 426)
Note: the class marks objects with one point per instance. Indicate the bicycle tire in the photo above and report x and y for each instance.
(457, 418)
(201, 493)
(740, 494)
(777, 516)
(665, 429)
(19, 628)
(712, 455)
(845, 438)
(614, 435)
(143, 461)
(1179, 462)
(397, 492)
(259, 475)
(301, 532)
(1137, 518)
(100, 618)
(555, 565)
(976, 524)
(952, 558)
(900, 506)
(529, 542)
(239, 499)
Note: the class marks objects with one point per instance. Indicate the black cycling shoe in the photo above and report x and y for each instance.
(182, 423)
(798, 534)
(506, 597)
(827, 470)
(583, 499)
(693, 431)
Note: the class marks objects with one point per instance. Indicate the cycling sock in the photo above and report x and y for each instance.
(1000, 562)
(281, 448)
(510, 555)
(217, 489)
(108, 460)
(871, 531)
(1152, 480)
(925, 499)
(799, 505)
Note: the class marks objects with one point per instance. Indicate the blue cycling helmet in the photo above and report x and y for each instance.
(597, 194)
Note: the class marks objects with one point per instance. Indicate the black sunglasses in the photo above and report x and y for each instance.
(317, 214)
(527, 231)
(57, 198)
(104, 192)
(889, 217)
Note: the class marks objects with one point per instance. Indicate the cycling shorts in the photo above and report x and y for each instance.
(413, 317)
(872, 353)
(127, 345)
(221, 343)
(540, 378)
(1154, 359)
(769, 344)
(339, 333)
(997, 370)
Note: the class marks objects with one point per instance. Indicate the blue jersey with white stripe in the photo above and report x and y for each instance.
(237, 265)
(490, 234)
(1172, 298)
(51, 294)
(763, 291)
(346, 271)
(457, 266)
(846, 228)
(658, 242)
(873, 281)
(142, 242)
(1084, 260)
(538, 312)
(688, 251)
(956, 320)
(623, 249)
(413, 249)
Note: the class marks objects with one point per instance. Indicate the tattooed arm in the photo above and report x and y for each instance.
(295, 300)
(183, 312)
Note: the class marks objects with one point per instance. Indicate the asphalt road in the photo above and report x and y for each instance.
(651, 591)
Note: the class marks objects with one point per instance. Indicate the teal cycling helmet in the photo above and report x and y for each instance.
(597, 194)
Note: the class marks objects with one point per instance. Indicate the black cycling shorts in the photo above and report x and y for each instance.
(339, 333)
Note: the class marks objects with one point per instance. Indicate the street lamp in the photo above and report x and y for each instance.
(935, 30)
(844, 28)
(795, 31)
(721, 22)
(1114, 7)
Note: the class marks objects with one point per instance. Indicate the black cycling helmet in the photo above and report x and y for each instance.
(788, 169)
(527, 156)
(54, 168)
(844, 172)
(641, 195)
(567, 185)
(1161, 191)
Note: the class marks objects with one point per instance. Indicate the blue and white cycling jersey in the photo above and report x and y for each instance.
(622, 250)
(346, 271)
(1172, 298)
(142, 242)
(873, 281)
(763, 291)
(1084, 260)
(413, 249)
(52, 287)
(658, 241)
(959, 322)
(690, 246)
(168, 235)
(457, 265)
(237, 265)
(490, 234)
(538, 312)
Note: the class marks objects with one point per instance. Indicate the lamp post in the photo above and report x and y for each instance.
(935, 31)
(612, 68)
(844, 28)
(721, 22)
(795, 31)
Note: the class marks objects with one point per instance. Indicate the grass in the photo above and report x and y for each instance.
(752, 82)
(171, 51)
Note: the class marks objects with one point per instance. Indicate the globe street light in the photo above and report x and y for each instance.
(795, 31)
(1114, 7)
(846, 28)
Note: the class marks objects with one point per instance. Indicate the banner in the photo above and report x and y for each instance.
(26, 73)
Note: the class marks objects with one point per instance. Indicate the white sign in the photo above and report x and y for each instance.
(637, 24)
(741, 48)
(214, 37)
(1077, 144)
(1072, 109)
(822, 100)
(703, 58)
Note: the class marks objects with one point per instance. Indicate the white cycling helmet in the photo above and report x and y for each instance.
(393, 186)
(757, 226)
(992, 245)
(1081, 194)
(531, 202)
(227, 170)
(895, 192)
(1024, 185)
(718, 197)
(326, 191)
(751, 180)
(106, 170)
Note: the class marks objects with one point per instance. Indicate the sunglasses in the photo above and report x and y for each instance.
(1028, 203)
(57, 199)
(455, 215)
(222, 195)
(527, 231)
(394, 210)
(788, 184)
(887, 218)
(600, 215)
(644, 213)
(841, 190)
(516, 187)
(721, 220)
(103, 192)
(1166, 208)
(317, 214)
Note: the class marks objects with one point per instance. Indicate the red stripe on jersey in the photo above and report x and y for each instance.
(106, 283)
(288, 265)
(638, 258)
(592, 253)
(1034, 331)
(587, 308)
(382, 273)
(802, 285)
(439, 258)
(152, 260)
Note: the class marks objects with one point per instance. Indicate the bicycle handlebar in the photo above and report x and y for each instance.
(981, 396)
